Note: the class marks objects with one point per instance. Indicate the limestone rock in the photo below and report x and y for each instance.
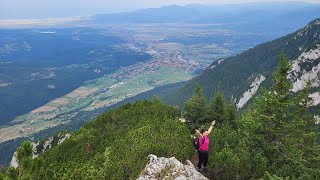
(169, 168)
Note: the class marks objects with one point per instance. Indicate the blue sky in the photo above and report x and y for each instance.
(17, 9)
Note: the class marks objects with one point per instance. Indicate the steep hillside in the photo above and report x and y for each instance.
(117, 144)
(241, 75)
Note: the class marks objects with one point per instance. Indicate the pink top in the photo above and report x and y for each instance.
(205, 145)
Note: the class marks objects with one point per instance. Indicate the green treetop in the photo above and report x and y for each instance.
(218, 108)
(195, 108)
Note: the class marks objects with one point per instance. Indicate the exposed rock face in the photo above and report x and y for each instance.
(216, 63)
(169, 168)
(42, 146)
(47, 144)
(14, 160)
(251, 91)
(63, 138)
(315, 98)
(34, 155)
(306, 67)
(317, 117)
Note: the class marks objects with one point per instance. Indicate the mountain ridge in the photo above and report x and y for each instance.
(237, 16)
(237, 73)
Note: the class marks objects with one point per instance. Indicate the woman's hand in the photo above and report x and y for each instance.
(213, 123)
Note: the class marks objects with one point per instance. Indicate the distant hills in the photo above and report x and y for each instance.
(289, 15)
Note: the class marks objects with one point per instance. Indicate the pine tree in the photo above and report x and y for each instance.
(218, 108)
(195, 108)
(306, 133)
(11, 173)
(279, 127)
(24, 156)
(232, 115)
(281, 82)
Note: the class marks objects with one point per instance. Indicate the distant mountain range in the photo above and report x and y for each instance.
(289, 15)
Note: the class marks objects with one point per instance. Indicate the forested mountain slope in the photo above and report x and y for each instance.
(240, 76)
(117, 144)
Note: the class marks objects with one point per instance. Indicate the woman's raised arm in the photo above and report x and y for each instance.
(212, 124)
(197, 131)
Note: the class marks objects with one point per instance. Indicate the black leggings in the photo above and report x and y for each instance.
(203, 158)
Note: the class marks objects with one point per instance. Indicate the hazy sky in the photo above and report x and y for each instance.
(10, 9)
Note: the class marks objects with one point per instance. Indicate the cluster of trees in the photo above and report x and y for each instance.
(274, 138)
(28, 168)
(114, 146)
(198, 112)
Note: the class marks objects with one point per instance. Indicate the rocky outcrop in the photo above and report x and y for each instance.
(315, 98)
(47, 144)
(251, 91)
(14, 160)
(317, 117)
(63, 138)
(306, 68)
(169, 168)
(41, 146)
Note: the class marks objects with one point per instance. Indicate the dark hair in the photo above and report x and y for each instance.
(203, 130)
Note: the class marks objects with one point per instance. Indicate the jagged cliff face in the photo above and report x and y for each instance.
(169, 168)
(42, 146)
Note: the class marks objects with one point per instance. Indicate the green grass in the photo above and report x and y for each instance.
(166, 75)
